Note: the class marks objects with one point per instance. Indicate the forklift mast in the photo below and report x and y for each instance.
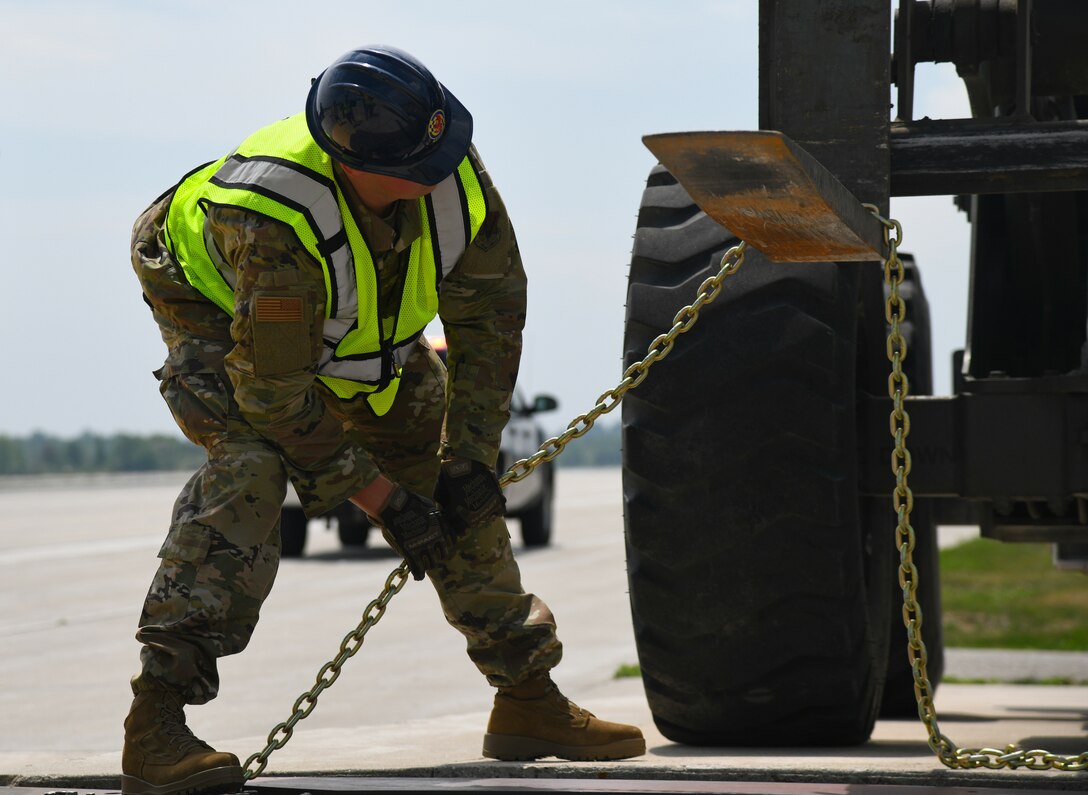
(1007, 450)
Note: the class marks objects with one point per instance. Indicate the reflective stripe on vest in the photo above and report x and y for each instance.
(280, 172)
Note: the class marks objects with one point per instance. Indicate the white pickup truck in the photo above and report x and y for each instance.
(530, 500)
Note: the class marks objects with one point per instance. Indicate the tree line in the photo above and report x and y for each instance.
(598, 447)
(45, 454)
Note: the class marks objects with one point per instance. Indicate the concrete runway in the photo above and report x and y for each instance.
(77, 554)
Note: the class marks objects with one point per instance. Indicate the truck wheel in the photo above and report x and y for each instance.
(536, 521)
(352, 526)
(759, 598)
(899, 700)
(293, 525)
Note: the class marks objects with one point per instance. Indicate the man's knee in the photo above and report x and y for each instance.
(235, 496)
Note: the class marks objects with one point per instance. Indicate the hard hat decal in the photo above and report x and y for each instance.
(436, 125)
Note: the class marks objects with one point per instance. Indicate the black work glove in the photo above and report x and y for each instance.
(469, 493)
(414, 526)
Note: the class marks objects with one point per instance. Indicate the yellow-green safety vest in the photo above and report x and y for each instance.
(280, 172)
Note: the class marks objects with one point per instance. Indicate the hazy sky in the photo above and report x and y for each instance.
(105, 103)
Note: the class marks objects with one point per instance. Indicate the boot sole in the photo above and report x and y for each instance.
(207, 782)
(510, 748)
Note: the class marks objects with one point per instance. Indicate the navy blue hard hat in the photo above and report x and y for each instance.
(379, 109)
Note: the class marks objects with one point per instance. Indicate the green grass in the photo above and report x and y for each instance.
(1009, 596)
(626, 670)
(1049, 680)
(997, 595)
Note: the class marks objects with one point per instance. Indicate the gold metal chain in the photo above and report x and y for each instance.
(579, 426)
(902, 499)
(635, 374)
(903, 502)
(328, 674)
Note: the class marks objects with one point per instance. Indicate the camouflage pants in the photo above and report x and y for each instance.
(220, 557)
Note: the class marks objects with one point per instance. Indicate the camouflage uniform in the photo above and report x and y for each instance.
(264, 418)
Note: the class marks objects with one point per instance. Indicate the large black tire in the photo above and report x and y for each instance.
(352, 526)
(536, 520)
(899, 700)
(759, 598)
(293, 526)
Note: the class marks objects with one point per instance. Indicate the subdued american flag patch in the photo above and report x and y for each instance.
(278, 309)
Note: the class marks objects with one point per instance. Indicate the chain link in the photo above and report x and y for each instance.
(330, 671)
(579, 426)
(903, 502)
(635, 374)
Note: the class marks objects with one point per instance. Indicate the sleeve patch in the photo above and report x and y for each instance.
(282, 329)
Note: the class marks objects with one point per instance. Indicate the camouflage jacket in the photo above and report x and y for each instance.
(481, 306)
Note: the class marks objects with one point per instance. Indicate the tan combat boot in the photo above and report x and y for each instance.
(534, 719)
(162, 757)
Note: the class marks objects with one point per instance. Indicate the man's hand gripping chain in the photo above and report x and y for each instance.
(469, 493)
(415, 527)
(422, 531)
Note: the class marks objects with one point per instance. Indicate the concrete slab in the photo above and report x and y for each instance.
(410, 707)
(448, 747)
